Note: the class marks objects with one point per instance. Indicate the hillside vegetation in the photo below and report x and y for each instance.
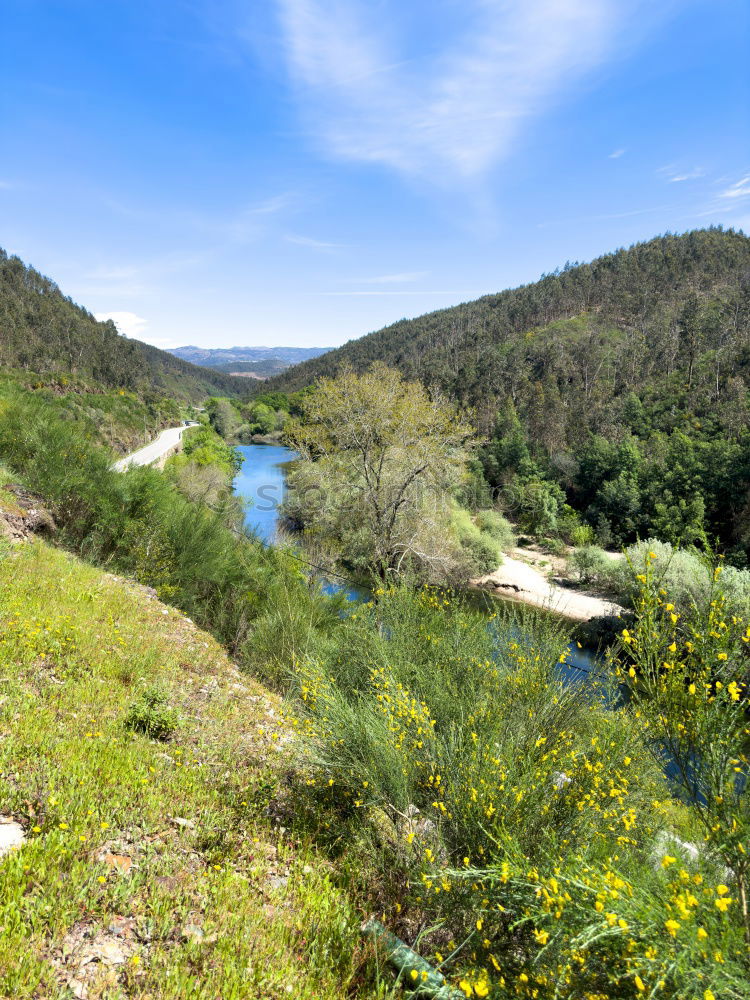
(121, 419)
(613, 395)
(43, 331)
(625, 322)
(531, 830)
(140, 763)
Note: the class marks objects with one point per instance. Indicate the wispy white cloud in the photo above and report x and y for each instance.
(740, 189)
(128, 323)
(617, 154)
(164, 343)
(308, 241)
(371, 97)
(677, 175)
(272, 206)
(249, 223)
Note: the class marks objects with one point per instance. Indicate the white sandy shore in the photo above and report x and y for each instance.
(516, 580)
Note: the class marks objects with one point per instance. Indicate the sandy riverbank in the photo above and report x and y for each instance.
(517, 580)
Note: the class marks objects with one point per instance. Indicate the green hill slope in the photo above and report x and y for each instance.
(587, 333)
(619, 388)
(43, 331)
(151, 866)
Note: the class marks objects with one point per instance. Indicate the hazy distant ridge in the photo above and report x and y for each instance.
(220, 357)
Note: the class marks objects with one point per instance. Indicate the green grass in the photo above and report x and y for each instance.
(170, 840)
(117, 418)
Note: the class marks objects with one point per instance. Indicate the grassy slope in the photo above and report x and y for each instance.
(116, 418)
(76, 647)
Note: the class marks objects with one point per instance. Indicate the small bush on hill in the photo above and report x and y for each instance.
(152, 715)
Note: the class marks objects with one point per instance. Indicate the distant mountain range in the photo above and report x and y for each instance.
(252, 362)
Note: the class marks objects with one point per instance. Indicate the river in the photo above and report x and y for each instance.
(261, 482)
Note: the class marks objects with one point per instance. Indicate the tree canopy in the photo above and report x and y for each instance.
(381, 458)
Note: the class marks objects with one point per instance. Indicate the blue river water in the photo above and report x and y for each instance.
(261, 482)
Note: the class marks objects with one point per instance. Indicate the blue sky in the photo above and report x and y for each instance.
(222, 172)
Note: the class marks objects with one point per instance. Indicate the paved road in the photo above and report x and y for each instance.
(167, 440)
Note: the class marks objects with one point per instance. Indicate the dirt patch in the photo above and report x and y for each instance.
(92, 960)
(23, 514)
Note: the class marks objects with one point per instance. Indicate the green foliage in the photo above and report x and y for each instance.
(526, 817)
(535, 504)
(152, 715)
(683, 573)
(689, 677)
(498, 527)
(121, 419)
(193, 821)
(223, 417)
(624, 382)
(202, 446)
(45, 332)
(380, 463)
(140, 523)
(591, 565)
(274, 400)
(205, 469)
(481, 547)
(582, 535)
(263, 418)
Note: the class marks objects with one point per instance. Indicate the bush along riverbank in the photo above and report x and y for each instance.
(529, 823)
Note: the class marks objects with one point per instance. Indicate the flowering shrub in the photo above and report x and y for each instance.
(532, 818)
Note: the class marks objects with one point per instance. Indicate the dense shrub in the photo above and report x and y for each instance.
(497, 527)
(528, 819)
(591, 565)
(481, 548)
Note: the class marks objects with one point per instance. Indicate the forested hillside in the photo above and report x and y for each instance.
(43, 331)
(587, 333)
(619, 387)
